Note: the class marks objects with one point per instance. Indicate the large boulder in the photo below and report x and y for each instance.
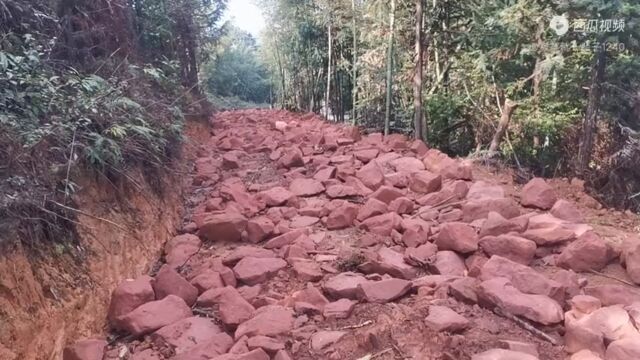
(169, 282)
(588, 252)
(342, 217)
(425, 182)
(226, 226)
(272, 320)
(233, 308)
(383, 291)
(593, 331)
(382, 224)
(522, 277)
(566, 210)
(387, 261)
(512, 247)
(371, 175)
(253, 271)
(501, 293)
(630, 257)
(186, 334)
(344, 285)
(458, 237)
(306, 187)
(371, 208)
(129, 295)
(538, 194)
(154, 315)
(259, 229)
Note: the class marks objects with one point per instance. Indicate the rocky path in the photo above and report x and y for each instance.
(308, 240)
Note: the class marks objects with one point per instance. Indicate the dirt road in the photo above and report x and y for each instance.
(309, 240)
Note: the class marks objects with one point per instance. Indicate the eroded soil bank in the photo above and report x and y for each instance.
(46, 301)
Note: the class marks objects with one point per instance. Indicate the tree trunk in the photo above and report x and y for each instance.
(281, 70)
(392, 20)
(354, 77)
(591, 115)
(507, 111)
(327, 97)
(417, 77)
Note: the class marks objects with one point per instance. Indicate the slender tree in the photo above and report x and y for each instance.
(593, 107)
(327, 97)
(417, 77)
(392, 21)
(354, 76)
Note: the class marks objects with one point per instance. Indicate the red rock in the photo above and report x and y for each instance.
(464, 289)
(252, 271)
(382, 224)
(306, 187)
(401, 205)
(383, 291)
(271, 320)
(614, 294)
(344, 285)
(285, 239)
(217, 345)
(453, 215)
(519, 346)
(366, 155)
(303, 221)
(421, 255)
(242, 252)
(306, 270)
(512, 247)
(539, 308)
(222, 227)
(458, 237)
(340, 159)
(249, 293)
(371, 208)
(549, 236)
(419, 147)
(497, 225)
(480, 190)
(594, 330)
(340, 309)
(624, 349)
(323, 339)
(585, 304)
(186, 334)
(441, 318)
(129, 295)
(407, 164)
(208, 279)
(522, 277)
(425, 182)
(268, 344)
(585, 355)
(180, 248)
(371, 175)
(282, 355)
(502, 354)
(169, 282)
(292, 157)
(457, 171)
(154, 315)
(480, 209)
(448, 263)
(88, 349)
(588, 252)
(630, 257)
(259, 229)
(233, 308)
(342, 217)
(566, 210)
(537, 193)
(397, 179)
(435, 160)
(475, 262)
(389, 262)
(341, 191)
(325, 173)
(387, 194)
(230, 161)
(414, 238)
(276, 196)
(353, 182)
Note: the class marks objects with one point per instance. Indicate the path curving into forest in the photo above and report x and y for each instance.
(308, 240)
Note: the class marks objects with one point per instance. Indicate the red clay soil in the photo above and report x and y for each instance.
(309, 240)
